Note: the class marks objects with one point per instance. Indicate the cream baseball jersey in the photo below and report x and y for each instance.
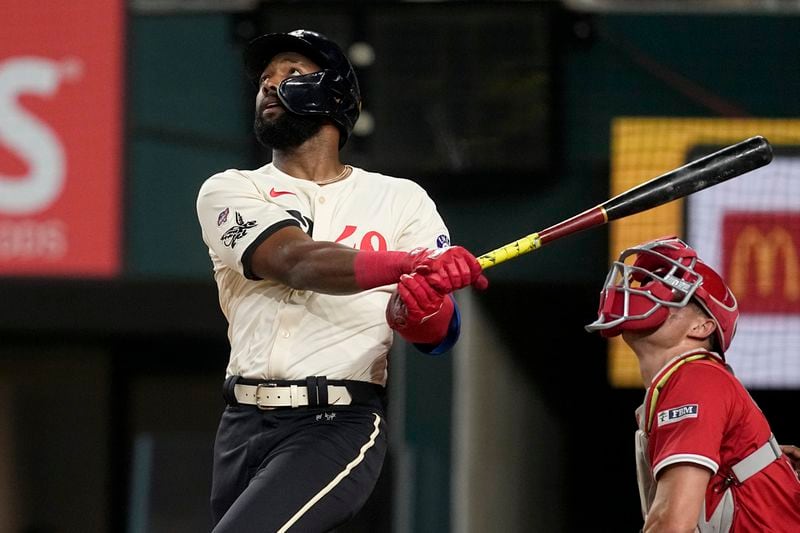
(277, 332)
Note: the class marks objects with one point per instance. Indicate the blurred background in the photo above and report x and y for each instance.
(513, 115)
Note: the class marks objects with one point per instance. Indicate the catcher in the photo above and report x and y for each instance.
(706, 457)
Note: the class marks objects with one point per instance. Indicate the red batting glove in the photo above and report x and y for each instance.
(419, 313)
(375, 269)
(445, 269)
(450, 269)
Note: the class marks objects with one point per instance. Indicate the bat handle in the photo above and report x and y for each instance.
(510, 251)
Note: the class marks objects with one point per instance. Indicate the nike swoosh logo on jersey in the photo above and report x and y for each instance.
(273, 193)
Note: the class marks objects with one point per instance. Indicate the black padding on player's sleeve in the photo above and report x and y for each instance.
(247, 256)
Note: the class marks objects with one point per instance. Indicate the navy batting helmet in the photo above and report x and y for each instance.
(332, 92)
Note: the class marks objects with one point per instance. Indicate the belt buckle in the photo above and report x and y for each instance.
(258, 389)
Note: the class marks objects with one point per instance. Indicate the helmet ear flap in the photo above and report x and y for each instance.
(324, 93)
(718, 301)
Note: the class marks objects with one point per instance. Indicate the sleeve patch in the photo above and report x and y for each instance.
(238, 231)
(442, 241)
(677, 414)
(223, 216)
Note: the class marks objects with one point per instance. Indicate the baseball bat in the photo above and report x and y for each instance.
(697, 175)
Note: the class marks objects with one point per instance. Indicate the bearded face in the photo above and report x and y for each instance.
(286, 130)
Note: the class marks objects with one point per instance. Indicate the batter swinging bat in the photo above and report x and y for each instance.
(728, 163)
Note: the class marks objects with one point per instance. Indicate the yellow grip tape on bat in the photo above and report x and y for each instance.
(510, 251)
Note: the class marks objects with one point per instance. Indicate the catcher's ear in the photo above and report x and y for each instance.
(702, 328)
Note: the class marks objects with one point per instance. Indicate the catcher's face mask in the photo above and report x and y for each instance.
(644, 283)
(650, 278)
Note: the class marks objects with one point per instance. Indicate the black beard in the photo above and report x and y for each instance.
(287, 131)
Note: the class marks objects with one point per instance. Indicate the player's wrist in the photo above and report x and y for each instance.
(375, 269)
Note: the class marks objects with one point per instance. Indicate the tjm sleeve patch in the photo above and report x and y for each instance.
(676, 414)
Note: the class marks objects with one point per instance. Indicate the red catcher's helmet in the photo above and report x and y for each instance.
(650, 278)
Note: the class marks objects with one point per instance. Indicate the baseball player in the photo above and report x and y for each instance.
(706, 458)
(307, 253)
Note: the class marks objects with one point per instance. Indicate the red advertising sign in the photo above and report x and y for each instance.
(761, 254)
(61, 66)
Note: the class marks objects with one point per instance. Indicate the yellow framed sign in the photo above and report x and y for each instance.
(748, 229)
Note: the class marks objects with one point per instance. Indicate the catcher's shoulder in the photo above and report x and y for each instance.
(709, 373)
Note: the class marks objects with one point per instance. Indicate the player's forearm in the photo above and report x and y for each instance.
(318, 266)
(664, 522)
(679, 500)
(322, 266)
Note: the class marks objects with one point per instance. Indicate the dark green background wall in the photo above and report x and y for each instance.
(187, 119)
(189, 116)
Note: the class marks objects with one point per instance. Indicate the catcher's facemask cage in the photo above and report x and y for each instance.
(650, 278)
(333, 92)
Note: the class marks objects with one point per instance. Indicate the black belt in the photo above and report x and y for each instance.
(314, 391)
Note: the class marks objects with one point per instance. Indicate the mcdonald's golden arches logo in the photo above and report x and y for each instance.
(761, 259)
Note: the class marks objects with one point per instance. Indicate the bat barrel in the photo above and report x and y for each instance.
(715, 168)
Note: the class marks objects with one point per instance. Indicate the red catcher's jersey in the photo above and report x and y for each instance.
(705, 416)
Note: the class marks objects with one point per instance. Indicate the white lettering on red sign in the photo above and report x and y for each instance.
(28, 136)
